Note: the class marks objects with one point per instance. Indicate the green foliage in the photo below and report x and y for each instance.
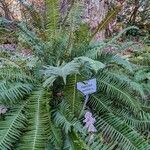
(113, 128)
(38, 130)
(44, 106)
(52, 17)
(12, 126)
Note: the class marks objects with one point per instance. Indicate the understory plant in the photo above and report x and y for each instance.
(40, 107)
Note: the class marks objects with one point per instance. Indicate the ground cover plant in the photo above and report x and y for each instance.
(40, 106)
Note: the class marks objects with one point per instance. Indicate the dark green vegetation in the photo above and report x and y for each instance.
(43, 105)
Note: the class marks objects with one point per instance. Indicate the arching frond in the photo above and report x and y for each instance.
(11, 73)
(7, 62)
(69, 143)
(92, 64)
(117, 89)
(89, 142)
(73, 98)
(52, 17)
(38, 130)
(66, 119)
(11, 92)
(120, 61)
(94, 142)
(102, 104)
(114, 129)
(142, 74)
(133, 85)
(12, 126)
(61, 71)
(55, 140)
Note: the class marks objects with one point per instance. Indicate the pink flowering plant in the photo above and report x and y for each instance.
(89, 122)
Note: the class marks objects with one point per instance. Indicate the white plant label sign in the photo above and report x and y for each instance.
(87, 87)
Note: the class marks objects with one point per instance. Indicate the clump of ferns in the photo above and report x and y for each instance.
(45, 106)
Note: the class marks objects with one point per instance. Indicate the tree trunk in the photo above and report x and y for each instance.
(95, 12)
(5, 8)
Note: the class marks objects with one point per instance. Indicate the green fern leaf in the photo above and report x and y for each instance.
(38, 131)
(52, 17)
(117, 89)
(11, 92)
(12, 127)
(115, 129)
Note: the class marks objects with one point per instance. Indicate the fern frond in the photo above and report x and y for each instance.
(72, 143)
(55, 138)
(49, 81)
(11, 92)
(141, 125)
(102, 104)
(12, 126)
(120, 34)
(123, 62)
(113, 129)
(5, 61)
(85, 142)
(142, 74)
(65, 119)
(133, 85)
(94, 143)
(52, 17)
(16, 74)
(61, 71)
(74, 19)
(71, 95)
(93, 64)
(117, 89)
(31, 39)
(38, 131)
(96, 48)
